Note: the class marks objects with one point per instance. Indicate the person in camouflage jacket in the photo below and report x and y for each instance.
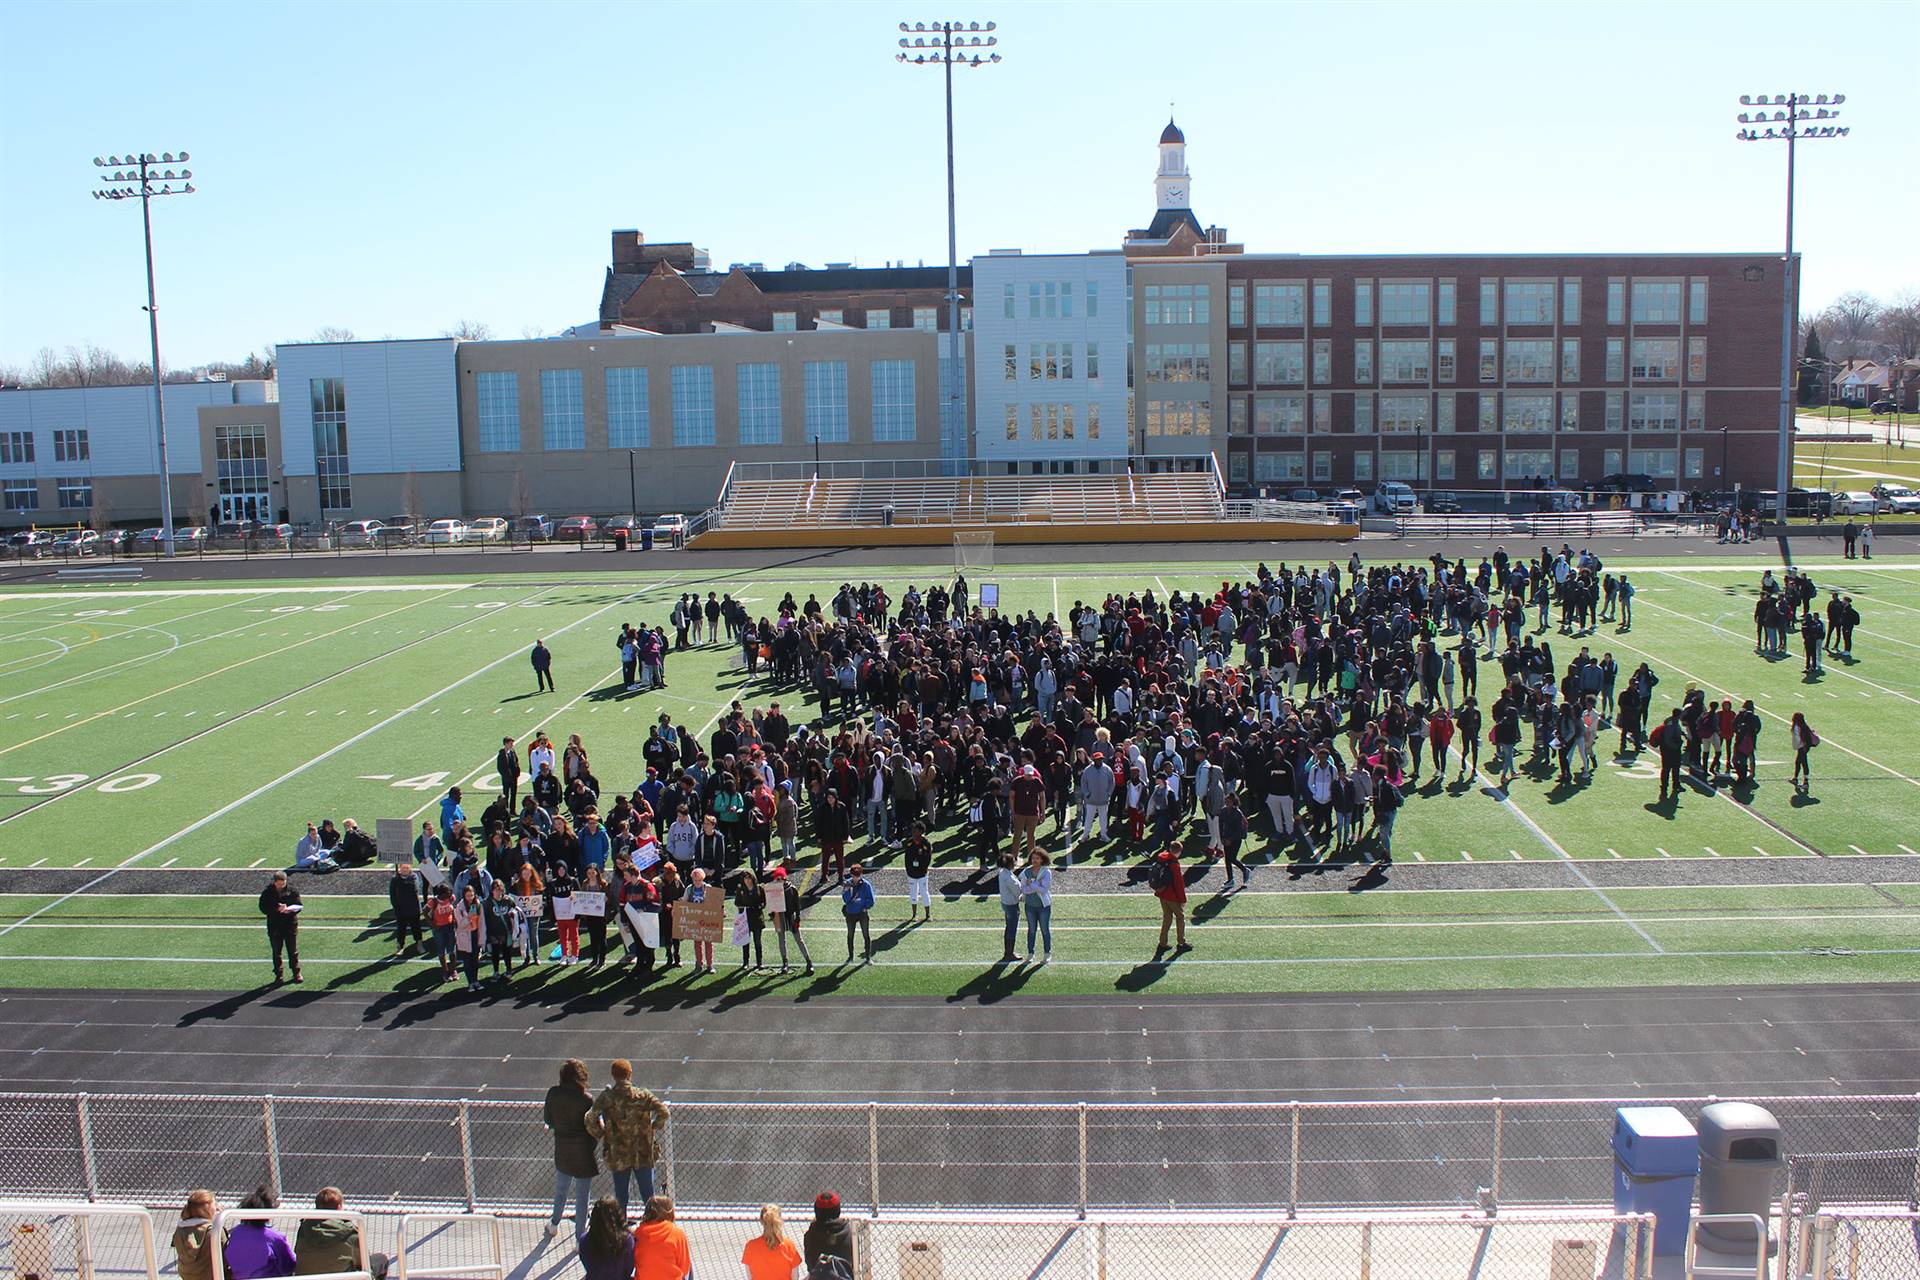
(628, 1122)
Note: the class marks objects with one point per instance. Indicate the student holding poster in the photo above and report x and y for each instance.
(590, 909)
(639, 917)
(783, 906)
(566, 921)
(697, 893)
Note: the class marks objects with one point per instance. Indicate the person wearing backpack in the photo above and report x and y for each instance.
(1387, 799)
(828, 1242)
(1169, 884)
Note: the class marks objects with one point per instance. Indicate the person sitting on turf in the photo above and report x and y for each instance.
(309, 855)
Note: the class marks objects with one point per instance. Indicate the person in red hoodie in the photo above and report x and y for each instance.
(1029, 803)
(1169, 883)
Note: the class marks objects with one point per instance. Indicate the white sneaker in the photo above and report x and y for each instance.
(553, 1229)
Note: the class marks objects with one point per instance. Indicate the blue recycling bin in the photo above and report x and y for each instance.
(646, 538)
(1656, 1155)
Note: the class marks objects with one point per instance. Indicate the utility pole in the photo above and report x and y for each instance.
(134, 177)
(947, 45)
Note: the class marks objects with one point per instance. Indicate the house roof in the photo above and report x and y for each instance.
(621, 285)
(1165, 220)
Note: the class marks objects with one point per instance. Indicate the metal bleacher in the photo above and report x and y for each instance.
(971, 501)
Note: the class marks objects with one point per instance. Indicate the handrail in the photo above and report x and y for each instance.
(82, 1212)
(1697, 1270)
(497, 1268)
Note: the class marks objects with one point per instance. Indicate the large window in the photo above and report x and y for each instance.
(1616, 359)
(1236, 305)
(16, 447)
(563, 421)
(331, 467)
(1402, 464)
(1447, 301)
(1404, 303)
(1363, 360)
(1237, 363)
(1323, 302)
(1178, 304)
(1697, 302)
(1570, 300)
(1093, 361)
(1696, 410)
(498, 398)
(1093, 420)
(1443, 419)
(1179, 418)
(1658, 463)
(1524, 465)
(879, 318)
(1616, 300)
(693, 411)
(785, 321)
(1279, 304)
(1444, 362)
(1362, 467)
(1489, 359)
(1570, 412)
(1363, 304)
(893, 400)
(1276, 363)
(1402, 414)
(629, 425)
(19, 495)
(826, 400)
(1529, 413)
(1569, 359)
(75, 493)
(1529, 360)
(1696, 359)
(926, 319)
(1656, 359)
(1093, 299)
(1179, 362)
(1654, 411)
(1237, 416)
(1529, 302)
(1323, 360)
(1489, 303)
(758, 391)
(1403, 361)
(1616, 414)
(1280, 415)
(70, 445)
(1363, 413)
(1656, 302)
(240, 468)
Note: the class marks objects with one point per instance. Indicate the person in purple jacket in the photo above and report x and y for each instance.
(254, 1250)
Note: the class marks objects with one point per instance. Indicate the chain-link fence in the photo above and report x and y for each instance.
(1859, 1246)
(489, 1154)
(49, 1240)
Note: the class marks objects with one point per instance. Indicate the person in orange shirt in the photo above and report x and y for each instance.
(660, 1248)
(770, 1255)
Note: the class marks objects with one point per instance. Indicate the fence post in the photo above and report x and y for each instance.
(1499, 1137)
(873, 1154)
(1366, 1250)
(1293, 1163)
(466, 1153)
(1083, 1160)
(270, 1125)
(83, 1116)
(1913, 1193)
(1100, 1250)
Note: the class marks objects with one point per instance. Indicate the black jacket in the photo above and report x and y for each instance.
(565, 1114)
(271, 899)
(405, 894)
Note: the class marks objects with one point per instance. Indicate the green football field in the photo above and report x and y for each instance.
(161, 749)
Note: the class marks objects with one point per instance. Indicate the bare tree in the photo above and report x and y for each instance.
(1849, 321)
(410, 495)
(469, 331)
(332, 333)
(520, 500)
(532, 332)
(100, 514)
(1900, 325)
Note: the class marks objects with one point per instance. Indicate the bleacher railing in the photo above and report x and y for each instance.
(1294, 1157)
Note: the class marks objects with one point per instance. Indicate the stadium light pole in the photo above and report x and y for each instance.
(948, 45)
(140, 177)
(1788, 116)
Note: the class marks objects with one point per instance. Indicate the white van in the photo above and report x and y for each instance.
(1394, 498)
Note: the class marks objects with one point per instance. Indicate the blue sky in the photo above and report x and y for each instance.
(393, 168)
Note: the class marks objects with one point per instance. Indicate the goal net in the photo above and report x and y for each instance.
(973, 549)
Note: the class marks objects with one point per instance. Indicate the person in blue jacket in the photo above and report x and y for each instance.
(856, 902)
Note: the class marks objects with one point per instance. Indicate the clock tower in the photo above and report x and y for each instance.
(1171, 186)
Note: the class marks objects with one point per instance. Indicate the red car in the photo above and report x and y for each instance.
(580, 529)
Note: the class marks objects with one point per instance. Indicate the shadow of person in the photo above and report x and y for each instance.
(1145, 974)
(227, 1006)
(993, 984)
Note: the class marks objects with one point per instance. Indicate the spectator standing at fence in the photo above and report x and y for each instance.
(280, 904)
(605, 1244)
(828, 1243)
(193, 1237)
(254, 1250)
(565, 1115)
(659, 1247)
(328, 1245)
(770, 1255)
(628, 1122)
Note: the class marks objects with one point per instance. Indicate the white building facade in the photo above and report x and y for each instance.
(1050, 362)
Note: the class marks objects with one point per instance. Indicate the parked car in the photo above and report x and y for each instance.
(230, 534)
(80, 542)
(487, 529)
(1853, 502)
(1896, 497)
(1302, 495)
(580, 529)
(360, 533)
(147, 540)
(399, 531)
(1883, 406)
(670, 528)
(530, 529)
(1394, 498)
(1442, 503)
(1628, 482)
(446, 533)
(324, 536)
(30, 544)
(269, 537)
(614, 524)
(115, 541)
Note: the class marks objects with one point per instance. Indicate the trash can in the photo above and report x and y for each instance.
(646, 539)
(1656, 1154)
(886, 516)
(619, 539)
(1739, 1153)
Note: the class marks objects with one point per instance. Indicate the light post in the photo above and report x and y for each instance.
(947, 45)
(1775, 118)
(134, 177)
(633, 492)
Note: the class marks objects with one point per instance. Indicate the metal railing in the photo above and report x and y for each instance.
(1293, 1157)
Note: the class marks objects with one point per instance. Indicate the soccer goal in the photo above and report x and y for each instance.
(972, 550)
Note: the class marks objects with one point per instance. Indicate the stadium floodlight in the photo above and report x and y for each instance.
(133, 177)
(1784, 123)
(948, 45)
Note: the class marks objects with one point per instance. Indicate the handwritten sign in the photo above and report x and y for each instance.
(776, 897)
(702, 921)
(393, 837)
(590, 904)
(564, 908)
(531, 907)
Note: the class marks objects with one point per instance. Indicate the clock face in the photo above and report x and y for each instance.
(1176, 194)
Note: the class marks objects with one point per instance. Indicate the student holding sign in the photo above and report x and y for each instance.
(566, 921)
(590, 908)
(695, 908)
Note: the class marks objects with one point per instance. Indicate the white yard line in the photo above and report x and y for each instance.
(518, 651)
(133, 593)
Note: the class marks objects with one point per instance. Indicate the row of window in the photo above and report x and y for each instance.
(1049, 299)
(1424, 303)
(1522, 466)
(1053, 420)
(925, 319)
(70, 444)
(1283, 362)
(1051, 361)
(72, 493)
(758, 404)
(331, 467)
(1404, 413)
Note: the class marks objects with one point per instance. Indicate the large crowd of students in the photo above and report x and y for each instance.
(1301, 706)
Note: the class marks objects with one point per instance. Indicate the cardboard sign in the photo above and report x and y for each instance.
(776, 897)
(393, 837)
(646, 855)
(564, 908)
(435, 876)
(703, 921)
(989, 595)
(590, 904)
(531, 907)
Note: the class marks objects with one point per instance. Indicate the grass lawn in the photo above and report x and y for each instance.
(1855, 466)
(196, 730)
